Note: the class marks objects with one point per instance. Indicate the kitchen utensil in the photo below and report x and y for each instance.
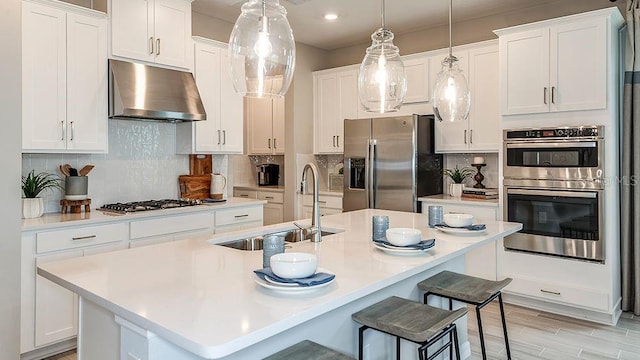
(458, 220)
(195, 187)
(64, 171)
(85, 170)
(294, 265)
(200, 164)
(403, 236)
(73, 172)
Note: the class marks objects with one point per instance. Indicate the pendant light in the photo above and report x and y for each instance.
(382, 82)
(262, 50)
(451, 98)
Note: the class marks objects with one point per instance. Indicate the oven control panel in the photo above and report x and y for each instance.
(563, 132)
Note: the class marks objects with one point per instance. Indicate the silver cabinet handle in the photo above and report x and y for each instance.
(241, 216)
(471, 136)
(218, 137)
(158, 46)
(275, 144)
(549, 292)
(334, 140)
(73, 131)
(83, 237)
(151, 45)
(544, 96)
(224, 137)
(321, 202)
(269, 143)
(465, 136)
(269, 197)
(244, 195)
(553, 94)
(63, 130)
(337, 140)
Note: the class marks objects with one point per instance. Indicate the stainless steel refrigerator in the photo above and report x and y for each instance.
(390, 162)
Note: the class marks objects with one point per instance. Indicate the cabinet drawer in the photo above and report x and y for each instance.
(80, 237)
(169, 225)
(272, 197)
(557, 293)
(240, 215)
(247, 194)
(333, 202)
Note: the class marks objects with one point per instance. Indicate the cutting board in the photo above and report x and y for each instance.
(200, 164)
(194, 186)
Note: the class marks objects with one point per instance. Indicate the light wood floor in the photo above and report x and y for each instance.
(538, 335)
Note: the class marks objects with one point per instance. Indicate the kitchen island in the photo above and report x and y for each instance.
(190, 299)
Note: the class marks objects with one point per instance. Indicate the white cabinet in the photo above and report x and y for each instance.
(481, 262)
(155, 31)
(265, 126)
(64, 79)
(335, 99)
(481, 131)
(238, 218)
(555, 66)
(416, 68)
(163, 229)
(328, 205)
(222, 132)
(274, 208)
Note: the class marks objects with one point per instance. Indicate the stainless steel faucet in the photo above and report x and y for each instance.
(314, 231)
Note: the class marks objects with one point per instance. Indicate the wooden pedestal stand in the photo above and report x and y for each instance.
(478, 177)
(75, 206)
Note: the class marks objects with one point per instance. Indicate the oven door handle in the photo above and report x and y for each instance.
(573, 194)
(553, 145)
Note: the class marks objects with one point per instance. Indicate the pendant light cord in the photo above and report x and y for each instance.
(450, 41)
(382, 12)
(264, 9)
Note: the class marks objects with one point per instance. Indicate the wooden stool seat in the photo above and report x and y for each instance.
(308, 350)
(471, 290)
(75, 206)
(410, 320)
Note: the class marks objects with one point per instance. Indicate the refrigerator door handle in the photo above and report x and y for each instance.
(372, 174)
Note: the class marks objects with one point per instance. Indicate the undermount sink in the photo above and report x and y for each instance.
(255, 243)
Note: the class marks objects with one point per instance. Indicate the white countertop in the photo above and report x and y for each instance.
(447, 199)
(203, 297)
(58, 220)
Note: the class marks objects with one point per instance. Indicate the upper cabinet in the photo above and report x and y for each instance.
(222, 132)
(556, 65)
(64, 78)
(155, 31)
(265, 126)
(416, 68)
(481, 131)
(335, 99)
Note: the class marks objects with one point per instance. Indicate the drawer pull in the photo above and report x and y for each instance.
(321, 202)
(241, 216)
(269, 197)
(244, 195)
(83, 237)
(549, 292)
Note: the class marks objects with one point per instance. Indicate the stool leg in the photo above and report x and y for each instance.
(455, 342)
(484, 351)
(504, 327)
(397, 348)
(361, 342)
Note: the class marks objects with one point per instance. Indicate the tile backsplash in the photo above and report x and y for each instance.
(490, 171)
(141, 165)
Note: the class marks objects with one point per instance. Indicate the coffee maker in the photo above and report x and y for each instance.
(268, 174)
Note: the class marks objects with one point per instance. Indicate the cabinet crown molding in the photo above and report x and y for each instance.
(69, 7)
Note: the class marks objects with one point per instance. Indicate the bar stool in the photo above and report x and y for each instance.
(410, 320)
(308, 350)
(471, 290)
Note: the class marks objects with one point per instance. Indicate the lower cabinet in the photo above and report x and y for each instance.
(328, 205)
(164, 229)
(273, 212)
(238, 219)
(481, 262)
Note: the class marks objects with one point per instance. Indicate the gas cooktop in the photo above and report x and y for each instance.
(123, 208)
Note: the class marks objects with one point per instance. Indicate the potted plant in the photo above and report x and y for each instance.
(457, 175)
(33, 185)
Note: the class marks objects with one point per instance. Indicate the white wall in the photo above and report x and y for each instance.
(10, 103)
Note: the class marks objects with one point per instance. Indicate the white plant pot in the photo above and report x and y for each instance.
(455, 190)
(32, 207)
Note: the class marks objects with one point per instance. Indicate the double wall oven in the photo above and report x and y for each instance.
(554, 185)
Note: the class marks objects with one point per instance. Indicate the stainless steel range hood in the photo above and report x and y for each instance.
(143, 92)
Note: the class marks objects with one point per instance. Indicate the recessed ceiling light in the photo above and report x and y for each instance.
(330, 17)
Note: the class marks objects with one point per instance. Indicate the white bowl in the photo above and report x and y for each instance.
(458, 220)
(403, 236)
(294, 265)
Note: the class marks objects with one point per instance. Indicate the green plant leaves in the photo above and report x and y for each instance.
(33, 184)
(458, 175)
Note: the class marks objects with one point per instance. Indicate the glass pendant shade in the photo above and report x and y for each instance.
(262, 50)
(451, 97)
(382, 82)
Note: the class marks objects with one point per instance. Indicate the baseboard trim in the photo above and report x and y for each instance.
(574, 312)
(50, 350)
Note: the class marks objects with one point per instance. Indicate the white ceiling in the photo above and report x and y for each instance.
(359, 18)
